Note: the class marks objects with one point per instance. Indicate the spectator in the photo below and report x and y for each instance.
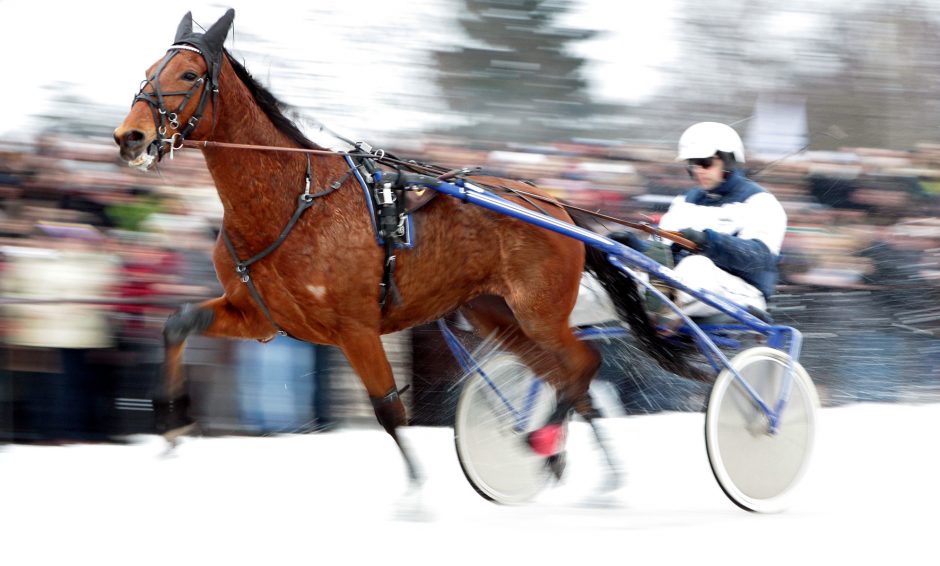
(78, 401)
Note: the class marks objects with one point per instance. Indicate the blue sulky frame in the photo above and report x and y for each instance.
(627, 260)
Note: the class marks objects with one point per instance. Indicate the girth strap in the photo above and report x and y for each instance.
(388, 288)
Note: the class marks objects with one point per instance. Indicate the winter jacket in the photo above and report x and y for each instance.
(744, 224)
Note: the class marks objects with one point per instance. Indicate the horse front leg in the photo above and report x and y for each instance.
(367, 357)
(215, 317)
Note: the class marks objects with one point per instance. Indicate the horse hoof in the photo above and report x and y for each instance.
(557, 463)
(611, 482)
(172, 437)
(410, 506)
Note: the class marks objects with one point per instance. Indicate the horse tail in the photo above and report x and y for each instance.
(626, 298)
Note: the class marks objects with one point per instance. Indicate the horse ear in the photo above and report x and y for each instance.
(215, 37)
(185, 28)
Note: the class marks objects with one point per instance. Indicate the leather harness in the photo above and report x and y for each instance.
(389, 202)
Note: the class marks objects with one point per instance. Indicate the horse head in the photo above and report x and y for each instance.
(177, 99)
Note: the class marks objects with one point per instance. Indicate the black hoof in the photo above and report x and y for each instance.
(557, 463)
(171, 416)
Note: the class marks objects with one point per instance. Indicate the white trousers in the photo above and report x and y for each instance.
(697, 271)
(594, 305)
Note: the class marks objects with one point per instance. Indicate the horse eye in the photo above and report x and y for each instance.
(189, 76)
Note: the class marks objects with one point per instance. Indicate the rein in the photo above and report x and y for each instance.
(444, 175)
(642, 226)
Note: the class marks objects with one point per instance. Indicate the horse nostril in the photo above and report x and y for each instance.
(131, 139)
(134, 137)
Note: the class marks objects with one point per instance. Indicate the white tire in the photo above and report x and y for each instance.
(758, 470)
(493, 451)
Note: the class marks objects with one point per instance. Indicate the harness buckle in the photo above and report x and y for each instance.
(385, 195)
(242, 270)
(400, 232)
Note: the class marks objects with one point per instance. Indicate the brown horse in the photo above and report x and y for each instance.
(321, 277)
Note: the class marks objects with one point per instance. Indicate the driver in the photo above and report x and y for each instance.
(737, 225)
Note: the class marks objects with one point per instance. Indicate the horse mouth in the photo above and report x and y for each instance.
(145, 160)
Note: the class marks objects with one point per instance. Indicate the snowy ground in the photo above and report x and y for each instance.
(870, 497)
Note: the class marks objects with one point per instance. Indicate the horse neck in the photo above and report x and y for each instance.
(258, 189)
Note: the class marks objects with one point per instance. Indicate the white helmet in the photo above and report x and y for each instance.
(707, 138)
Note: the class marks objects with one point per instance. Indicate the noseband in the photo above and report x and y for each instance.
(156, 99)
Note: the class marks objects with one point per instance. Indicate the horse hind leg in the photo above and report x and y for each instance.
(548, 346)
(581, 363)
(568, 363)
(570, 368)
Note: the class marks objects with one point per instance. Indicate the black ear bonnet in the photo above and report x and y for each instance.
(209, 43)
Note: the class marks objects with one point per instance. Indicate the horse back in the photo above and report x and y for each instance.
(463, 251)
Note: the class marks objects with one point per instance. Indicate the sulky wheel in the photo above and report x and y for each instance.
(757, 469)
(492, 448)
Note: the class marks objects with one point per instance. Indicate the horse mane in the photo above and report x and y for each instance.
(272, 107)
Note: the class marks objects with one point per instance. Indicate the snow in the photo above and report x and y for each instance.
(870, 497)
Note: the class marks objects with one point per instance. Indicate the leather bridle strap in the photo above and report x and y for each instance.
(156, 100)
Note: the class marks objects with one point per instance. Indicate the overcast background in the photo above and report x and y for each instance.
(514, 68)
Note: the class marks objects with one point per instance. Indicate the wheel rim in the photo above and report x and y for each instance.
(758, 470)
(494, 456)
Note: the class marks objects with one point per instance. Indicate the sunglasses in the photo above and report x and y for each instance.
(703, 162)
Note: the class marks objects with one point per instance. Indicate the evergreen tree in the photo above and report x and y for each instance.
(517, 82)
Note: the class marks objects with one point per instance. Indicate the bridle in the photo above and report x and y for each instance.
(162, 116)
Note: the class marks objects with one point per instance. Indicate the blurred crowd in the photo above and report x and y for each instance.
(851, 213)
(94, 256)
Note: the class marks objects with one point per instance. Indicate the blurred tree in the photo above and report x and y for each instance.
(883, 88)
(729, 53)
(518, 82)
(69, 113)
(870, 68)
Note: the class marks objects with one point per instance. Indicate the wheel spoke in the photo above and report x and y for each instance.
(494, 455)
(757, 469)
